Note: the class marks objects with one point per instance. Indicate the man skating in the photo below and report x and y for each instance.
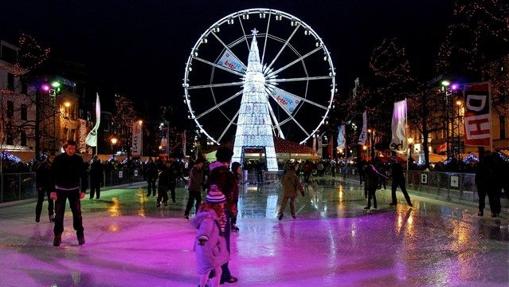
(68, 169)
(398, 179)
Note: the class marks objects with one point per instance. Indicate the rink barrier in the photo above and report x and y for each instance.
(450, 186)
(20, 186)
(17, 186)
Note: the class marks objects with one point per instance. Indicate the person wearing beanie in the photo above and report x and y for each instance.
(210, 245)
(221, 177)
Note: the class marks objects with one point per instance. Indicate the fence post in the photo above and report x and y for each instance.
(19, 186)
(2, 181)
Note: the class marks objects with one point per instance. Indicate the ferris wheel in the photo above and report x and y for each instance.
(299, 76)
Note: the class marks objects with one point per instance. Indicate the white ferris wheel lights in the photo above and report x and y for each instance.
(275, 75)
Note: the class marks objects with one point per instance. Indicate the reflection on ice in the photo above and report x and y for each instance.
(333, 242)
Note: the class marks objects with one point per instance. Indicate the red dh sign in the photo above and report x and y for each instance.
(477, 114)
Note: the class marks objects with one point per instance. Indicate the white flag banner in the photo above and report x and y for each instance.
(341, 137)
(137, 140)
(364, 132)
(287, 100)
(91, 139)
(399, 115)
(230, 61)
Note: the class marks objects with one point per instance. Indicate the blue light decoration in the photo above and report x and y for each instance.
(254, 126)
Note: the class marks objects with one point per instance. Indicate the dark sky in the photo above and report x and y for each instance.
(140, 47)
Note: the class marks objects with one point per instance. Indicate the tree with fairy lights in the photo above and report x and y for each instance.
(478, 34)
(31, 55)
(122, 121)
(390, 79)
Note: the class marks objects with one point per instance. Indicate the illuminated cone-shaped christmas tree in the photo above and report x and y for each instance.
(254, 126)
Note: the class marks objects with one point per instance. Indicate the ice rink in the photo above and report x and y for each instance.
(333, 242)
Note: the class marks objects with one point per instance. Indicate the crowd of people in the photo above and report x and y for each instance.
(67, 177)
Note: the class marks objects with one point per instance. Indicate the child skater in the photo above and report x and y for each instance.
(210, 244)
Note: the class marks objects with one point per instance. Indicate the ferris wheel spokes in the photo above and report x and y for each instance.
(295, 61)
(296, 96)
(228, 126)
(265, 41)
(291, 116)
(313, 78)
(218, 66)
(244, 33)
(215, 85)
(276, 123)
(219, 104)
(283, 47)
(227, 48)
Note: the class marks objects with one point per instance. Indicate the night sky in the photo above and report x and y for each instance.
(139, 48)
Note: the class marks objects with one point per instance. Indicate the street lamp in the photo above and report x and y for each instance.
(67, 104)
(113, 141)
(410, 142)
(447, 91)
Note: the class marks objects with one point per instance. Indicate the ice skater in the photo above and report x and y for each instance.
(210, 246)
(96, 178)
(163, 185)
(489, 182)
(237, 173)
(398, 179)
(372, 178)
(196, 181)
(151, 177)
(69, 175)
(291, 185)
(43, 184)
(221, 177)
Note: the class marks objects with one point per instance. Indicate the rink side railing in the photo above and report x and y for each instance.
(19, 186)
(448, 186)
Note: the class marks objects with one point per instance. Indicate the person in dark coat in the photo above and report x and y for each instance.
(69, 174)
(488, 182)
(221, 177)
(96, 178)
(175, 174)
(196, 181)
(151, 177)
(163, 185)
(372, 177)
(237, 172)
(398, 179)
(43, 184)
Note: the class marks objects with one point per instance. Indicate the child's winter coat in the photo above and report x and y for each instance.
(213, 253)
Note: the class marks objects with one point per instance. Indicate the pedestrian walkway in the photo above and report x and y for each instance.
(333, 242)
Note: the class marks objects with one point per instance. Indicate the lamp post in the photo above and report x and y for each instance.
(445, 89)
(409, 156)
(113, 142)
(55, 88)
(459, 125)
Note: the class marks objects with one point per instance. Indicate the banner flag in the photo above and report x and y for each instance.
(399, 114)
(91, 139)
(341, 137)
(364, 132)
(230, 61)
(477, 115)
(137, 139)
(286, 99)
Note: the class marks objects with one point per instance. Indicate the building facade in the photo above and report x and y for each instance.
(17, 108)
